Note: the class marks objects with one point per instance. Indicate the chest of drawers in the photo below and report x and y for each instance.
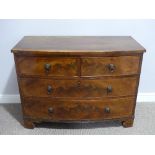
(78, 79)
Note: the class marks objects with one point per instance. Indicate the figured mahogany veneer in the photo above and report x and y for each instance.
(72, 110)
(79, 88)
(35, 66)
(76, 79)
(99, 66)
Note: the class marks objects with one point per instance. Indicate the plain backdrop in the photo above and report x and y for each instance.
(11, 31)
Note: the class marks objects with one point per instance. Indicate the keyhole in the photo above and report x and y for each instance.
(79, 83)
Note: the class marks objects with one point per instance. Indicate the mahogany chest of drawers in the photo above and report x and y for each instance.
(78, 79)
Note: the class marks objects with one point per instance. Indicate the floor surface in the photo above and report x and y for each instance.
(11, 124)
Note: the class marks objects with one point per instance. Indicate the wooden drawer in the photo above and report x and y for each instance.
(78, 110)
(35, 87)
(109, 66)
(46, 66)
(108, 87)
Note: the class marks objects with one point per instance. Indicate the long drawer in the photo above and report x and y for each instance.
(78, 110)
(85, 88)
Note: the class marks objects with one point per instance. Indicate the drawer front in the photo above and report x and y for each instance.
(108, 66)
(34, 87)
(108, 87)
(78, 110)
(46, 66)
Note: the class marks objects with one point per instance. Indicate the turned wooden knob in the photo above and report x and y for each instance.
(50, 110)
(47, 67)
(111, 67)
(109, 89)
(107, 110)
(49, 89)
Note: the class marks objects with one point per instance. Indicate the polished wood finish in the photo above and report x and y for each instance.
(99, 88)
(76, 79)
(100, 66)
(72, 110)
(79, 89)
(35, 66)
(128, 123)
(28, 124)
(70, 44)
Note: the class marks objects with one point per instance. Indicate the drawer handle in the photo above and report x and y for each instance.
(50, 110)
(109, 89)
(47, 67)
(49, 89)
(111, 67)
(107, 110)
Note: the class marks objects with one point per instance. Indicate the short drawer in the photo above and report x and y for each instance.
(78, 110)
(109, 66)
(46, 66)
(108, 87)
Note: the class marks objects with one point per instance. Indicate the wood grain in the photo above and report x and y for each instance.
(79, 89)
(35, 66)
(77, 44)
(78, 85)
(99, 66)
(78, 110)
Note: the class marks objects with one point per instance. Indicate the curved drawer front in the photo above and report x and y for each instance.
(109, 66)
(47, 66)
(108, 87)
(34, 87)
(79, 110)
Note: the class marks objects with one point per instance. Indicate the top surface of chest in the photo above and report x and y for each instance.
(77, 45)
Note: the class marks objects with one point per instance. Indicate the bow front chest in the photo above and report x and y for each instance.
(77, 79)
